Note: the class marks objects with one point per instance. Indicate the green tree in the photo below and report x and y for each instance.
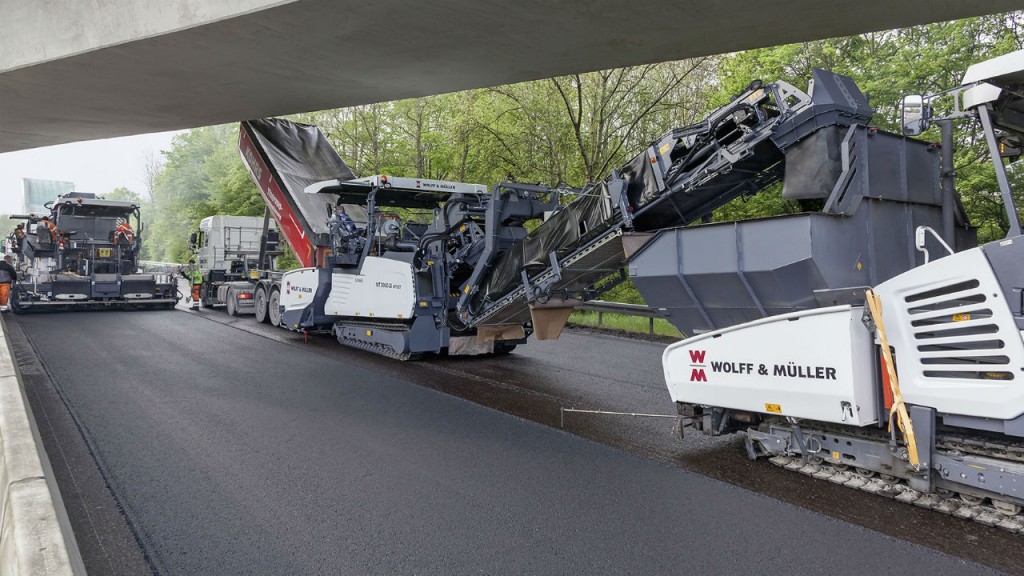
(124, 194)
(201, 176)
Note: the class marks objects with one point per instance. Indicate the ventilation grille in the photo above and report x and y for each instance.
(956, 335)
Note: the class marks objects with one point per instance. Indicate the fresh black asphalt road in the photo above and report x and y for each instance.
(230, 453)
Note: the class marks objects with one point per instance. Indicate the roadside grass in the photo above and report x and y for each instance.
(622, 322)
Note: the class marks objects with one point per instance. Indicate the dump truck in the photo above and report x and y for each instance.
(84, 254)
(236, 256)
(907, 387)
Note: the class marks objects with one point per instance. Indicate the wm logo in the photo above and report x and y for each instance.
(697, 362)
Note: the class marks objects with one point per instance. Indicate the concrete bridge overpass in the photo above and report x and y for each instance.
(73, 71)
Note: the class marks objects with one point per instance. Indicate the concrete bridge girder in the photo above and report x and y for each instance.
(74, 71)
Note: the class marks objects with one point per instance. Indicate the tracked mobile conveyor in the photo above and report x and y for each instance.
(470, 278)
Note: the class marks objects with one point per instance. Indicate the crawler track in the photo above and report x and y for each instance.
(377, 347)
(896, 489)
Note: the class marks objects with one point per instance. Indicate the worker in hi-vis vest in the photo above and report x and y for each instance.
(124, 233)
(8, 275)
(195, 277)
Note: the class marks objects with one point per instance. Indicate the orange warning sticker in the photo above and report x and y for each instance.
(773, 408)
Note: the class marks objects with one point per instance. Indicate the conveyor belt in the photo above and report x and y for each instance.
(739, 149)
(581, 270)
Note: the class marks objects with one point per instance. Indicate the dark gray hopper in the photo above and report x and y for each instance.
(714, 276)
(717, 275)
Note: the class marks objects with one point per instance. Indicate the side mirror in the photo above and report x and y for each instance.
(192, 239)
(917, 115)
(330, 211)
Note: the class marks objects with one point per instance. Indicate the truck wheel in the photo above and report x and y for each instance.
(259, 300)
(274, 307)
(232, 307)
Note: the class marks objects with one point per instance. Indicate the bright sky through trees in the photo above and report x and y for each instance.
(97, 166)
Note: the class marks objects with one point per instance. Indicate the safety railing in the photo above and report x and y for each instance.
(603, 307)
(152, 267)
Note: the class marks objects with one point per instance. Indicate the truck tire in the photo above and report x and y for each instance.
(232, 307)
(259, 300)
(274, 307)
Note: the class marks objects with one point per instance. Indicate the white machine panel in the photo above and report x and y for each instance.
(383, 181)
(298, 288)
(958, 349)
(384, 288)
(815, 364)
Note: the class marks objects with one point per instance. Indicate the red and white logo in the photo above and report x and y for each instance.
(697, 365)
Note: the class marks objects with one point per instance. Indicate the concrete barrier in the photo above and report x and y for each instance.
(35, 534)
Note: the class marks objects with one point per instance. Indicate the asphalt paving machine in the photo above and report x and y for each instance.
(432, 266)
(907, 387)
(84, 254)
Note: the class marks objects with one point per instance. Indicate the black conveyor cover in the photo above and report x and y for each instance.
(300, 155)
(565, 231)
(739, 149)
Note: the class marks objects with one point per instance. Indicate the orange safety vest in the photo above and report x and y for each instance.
(124, 229)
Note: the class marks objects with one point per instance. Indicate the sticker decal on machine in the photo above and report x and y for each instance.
(699, 365)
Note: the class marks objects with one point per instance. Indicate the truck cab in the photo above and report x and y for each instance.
(232, 254)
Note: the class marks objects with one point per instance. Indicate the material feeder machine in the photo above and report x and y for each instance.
(907, 387)
(84, 255)
(413, 266)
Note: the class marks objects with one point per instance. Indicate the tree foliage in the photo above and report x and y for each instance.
(123, 194)
(201, 176)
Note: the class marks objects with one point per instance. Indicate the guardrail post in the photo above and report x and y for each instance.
(600, 318)
(651, 325)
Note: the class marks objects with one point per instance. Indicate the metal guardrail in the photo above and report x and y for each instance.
(152, 267)
(602, 307)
